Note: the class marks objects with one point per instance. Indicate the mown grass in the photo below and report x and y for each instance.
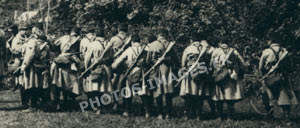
(12, 117)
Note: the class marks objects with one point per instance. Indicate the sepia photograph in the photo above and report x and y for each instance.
(149, 63)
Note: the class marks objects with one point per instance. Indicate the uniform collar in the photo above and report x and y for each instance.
(161, 39)
(135, 44)
(224, 46)
(196, 43)
(122, 35)
(20, 36)
(274, 45)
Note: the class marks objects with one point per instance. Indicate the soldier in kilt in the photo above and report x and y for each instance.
(98, 82)
(33, 68)
(133, 84)
(116, 43)
(64, 70)
(228, 65)
(161, 77)
(278, 81)
(16, 49)
(43, 65)
(84, 45)
(197, 86)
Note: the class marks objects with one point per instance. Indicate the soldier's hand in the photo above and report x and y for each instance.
(160, 59)
(23, 67)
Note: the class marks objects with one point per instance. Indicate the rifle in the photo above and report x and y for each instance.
(130, 68)
(264, 87)
(193, 66)
(74, 53)
(275, 66)
(98, 61)
(170, 46)
(17, 70)
(119, 52)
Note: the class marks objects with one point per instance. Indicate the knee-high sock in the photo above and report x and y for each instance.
(24, 96)
(212, 106)
(168, 102)
(220, 108)
(127, 104)
(146, 103)
(230, 105)
(159, 101)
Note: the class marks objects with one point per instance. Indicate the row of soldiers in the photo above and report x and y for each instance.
(98, 66)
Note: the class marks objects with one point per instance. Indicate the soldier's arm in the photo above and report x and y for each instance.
(148, 56)
(111, 43)
(183, 59)
(213, 56)
(262, 60)
(30, 49)
(88, 56)
(14, 46)
(241, 59)
(120, 59)
(82, 48)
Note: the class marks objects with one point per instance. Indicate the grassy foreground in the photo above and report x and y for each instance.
(12, 117)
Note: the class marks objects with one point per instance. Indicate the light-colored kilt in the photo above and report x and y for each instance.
(32, 79)
(104, 85)
(164, 74)
(139, 88)
(229, 90)
(285, 95)
(192, 87)
(65, 79)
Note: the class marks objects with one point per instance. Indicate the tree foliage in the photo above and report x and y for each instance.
(245, 24)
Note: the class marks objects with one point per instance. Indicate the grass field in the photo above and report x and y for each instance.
(12, 117)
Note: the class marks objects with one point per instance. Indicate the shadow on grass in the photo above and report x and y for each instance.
(18, 108)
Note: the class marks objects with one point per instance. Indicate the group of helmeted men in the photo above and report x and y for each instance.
(44, 80)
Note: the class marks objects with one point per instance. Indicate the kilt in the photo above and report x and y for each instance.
(162, 78)
(65, 79)
(283, 94)
(201, 87)
(32, 79)
(228, 90)
(104, 85)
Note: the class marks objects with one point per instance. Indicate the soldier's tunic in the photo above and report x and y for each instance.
(17, 51)
(230, 89)
(84, 44)
(118, 41)
(197, 85)
(94, 52)
(129, 56)
(32, 77)
(283, 93)
(2, 52)
(163, 72)
(66, 77)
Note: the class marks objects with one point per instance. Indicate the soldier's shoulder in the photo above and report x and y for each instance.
(100, 39)
(155, 44)
(115, 38)
(191, 49)
(83, 40)
(267, 50)
(218, 50)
